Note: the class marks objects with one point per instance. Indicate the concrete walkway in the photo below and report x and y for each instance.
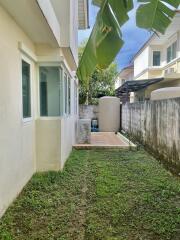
(106, 140)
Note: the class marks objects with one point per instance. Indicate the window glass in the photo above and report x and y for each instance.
(174, 49)
(171, 52)
(26, 90)
(156, 58)
(50, 91)
(61, 92)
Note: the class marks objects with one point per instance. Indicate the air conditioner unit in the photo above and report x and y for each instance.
(170, 70)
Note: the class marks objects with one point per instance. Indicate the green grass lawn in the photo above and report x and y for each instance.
(108, 195)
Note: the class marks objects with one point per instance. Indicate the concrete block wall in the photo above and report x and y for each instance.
(156, 124)
(88, 111)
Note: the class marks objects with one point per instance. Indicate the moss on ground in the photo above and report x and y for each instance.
(100, 195)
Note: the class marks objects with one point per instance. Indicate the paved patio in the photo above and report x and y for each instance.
(106, 140)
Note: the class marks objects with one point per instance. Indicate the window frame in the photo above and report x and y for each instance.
(61, 72)
(61, 89)
(40, 97)
(66, 94)
(153, 58)
(69, 95)
(76, 98)
(171, 53)
(27, 119)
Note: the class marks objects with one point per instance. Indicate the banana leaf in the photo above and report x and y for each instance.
(156, 15)
(106, 39)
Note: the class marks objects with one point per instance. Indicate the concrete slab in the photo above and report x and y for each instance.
(106, 140)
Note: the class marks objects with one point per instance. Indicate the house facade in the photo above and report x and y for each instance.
(126, 74)
(159, 58)
(156, 66)
(39, 88)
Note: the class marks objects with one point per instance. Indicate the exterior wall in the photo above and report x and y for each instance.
(163, 84)
(118, 83)
(48, 141)
(156, 125)
(125, 75)
(54, 139)
(172, 39)
(68, 22)
(144, 60)
(146, 94)
(88, 111)
(38, 144)
(141, 62)
(17, 138)
(144, 75)
(155, 74)
(68, 137)
(74, 28)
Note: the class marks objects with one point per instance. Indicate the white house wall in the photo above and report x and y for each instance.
(17, 138)
(74, 29)
(23, 143)
(141, 62)
(67, 15)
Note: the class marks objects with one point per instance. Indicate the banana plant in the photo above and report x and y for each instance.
(156, 15)
(106, 38)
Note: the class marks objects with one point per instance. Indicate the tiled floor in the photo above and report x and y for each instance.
(105, 140)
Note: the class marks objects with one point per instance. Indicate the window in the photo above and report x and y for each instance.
(61, 92)
(66, 93)
(50, 91)
(156, 58)
(43, 95)
(26, 89)
(69, 95)
(171, 52)
(75, 98)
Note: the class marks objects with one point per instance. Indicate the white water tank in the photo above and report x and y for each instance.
(109, 114)
(165, 93)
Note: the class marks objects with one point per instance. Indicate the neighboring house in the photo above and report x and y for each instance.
(159, 58)
(126, 74)
(157, 63)
(39, 90)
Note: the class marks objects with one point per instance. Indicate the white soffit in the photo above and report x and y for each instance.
(29, 16)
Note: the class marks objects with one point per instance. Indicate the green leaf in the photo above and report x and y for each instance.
(97, 2)
(106, 38)
(156, 15)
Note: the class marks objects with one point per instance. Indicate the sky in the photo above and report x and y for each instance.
(133, 36)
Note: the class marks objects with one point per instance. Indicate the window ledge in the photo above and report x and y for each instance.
(27, 120)
(155, 68)
(50, 118)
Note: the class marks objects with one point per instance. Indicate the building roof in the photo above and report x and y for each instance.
(126, 71)
(136, 85)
